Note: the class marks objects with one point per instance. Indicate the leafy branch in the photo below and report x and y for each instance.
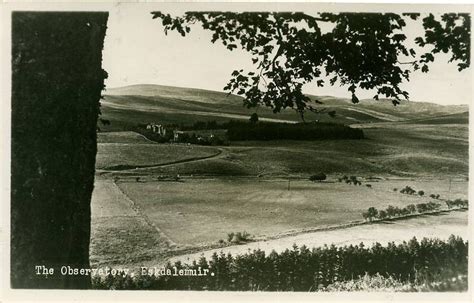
(359, 51)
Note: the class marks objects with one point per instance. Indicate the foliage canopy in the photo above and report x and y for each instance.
(357, 50)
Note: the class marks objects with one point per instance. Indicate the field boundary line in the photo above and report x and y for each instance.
(353, 224)
(142, 215)
(141, 167)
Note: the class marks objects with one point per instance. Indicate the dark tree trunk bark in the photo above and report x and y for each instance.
(57, 81)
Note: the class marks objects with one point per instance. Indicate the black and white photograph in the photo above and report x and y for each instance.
(235, 147)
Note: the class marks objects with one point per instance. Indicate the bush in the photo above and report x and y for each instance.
(254, 118)
(408, 190)
(318, 177)
(382, 214)
(411, 208)
(351, 179)
(238, 237)
(370, 214)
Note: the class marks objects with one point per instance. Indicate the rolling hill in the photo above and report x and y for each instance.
(128, 106)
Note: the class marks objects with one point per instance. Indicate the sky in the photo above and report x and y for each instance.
(137, 51)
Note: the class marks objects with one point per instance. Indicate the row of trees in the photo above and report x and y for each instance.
(395, 211)
(287, 131)
(303, 269)
(458, 203)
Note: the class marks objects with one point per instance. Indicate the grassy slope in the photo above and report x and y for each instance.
(130, 153)
(424, 151)
(412, 139)
(213, 208)
(128, 106)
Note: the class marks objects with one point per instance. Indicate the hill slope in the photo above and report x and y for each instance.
(127, 106)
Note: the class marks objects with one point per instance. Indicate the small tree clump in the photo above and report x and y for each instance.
(318, 177)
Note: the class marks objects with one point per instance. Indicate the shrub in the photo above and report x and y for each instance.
(421, 207)
(405, 211)
(408, 190)
(254, 118)
(238, 237)
(382, 214)
(411, 208)
(318, 177)
(391, 211)
(351, 179)
(421, 193)
(371, 213)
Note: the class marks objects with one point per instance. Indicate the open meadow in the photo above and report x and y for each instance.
(212, 208)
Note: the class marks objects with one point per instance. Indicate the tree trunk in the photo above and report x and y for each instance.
(57, 81)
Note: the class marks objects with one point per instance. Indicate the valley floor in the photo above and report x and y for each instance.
(135, 225)
(153, 202)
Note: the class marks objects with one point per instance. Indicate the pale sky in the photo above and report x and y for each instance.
(137, 51)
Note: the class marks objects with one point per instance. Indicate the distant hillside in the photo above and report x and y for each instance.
(172, 92)
(386, 111)
(127, 106)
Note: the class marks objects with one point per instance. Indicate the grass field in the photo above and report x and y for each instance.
(130, 155)
(119, 235)
(389, 150)
(122, 137)
(212, 208)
